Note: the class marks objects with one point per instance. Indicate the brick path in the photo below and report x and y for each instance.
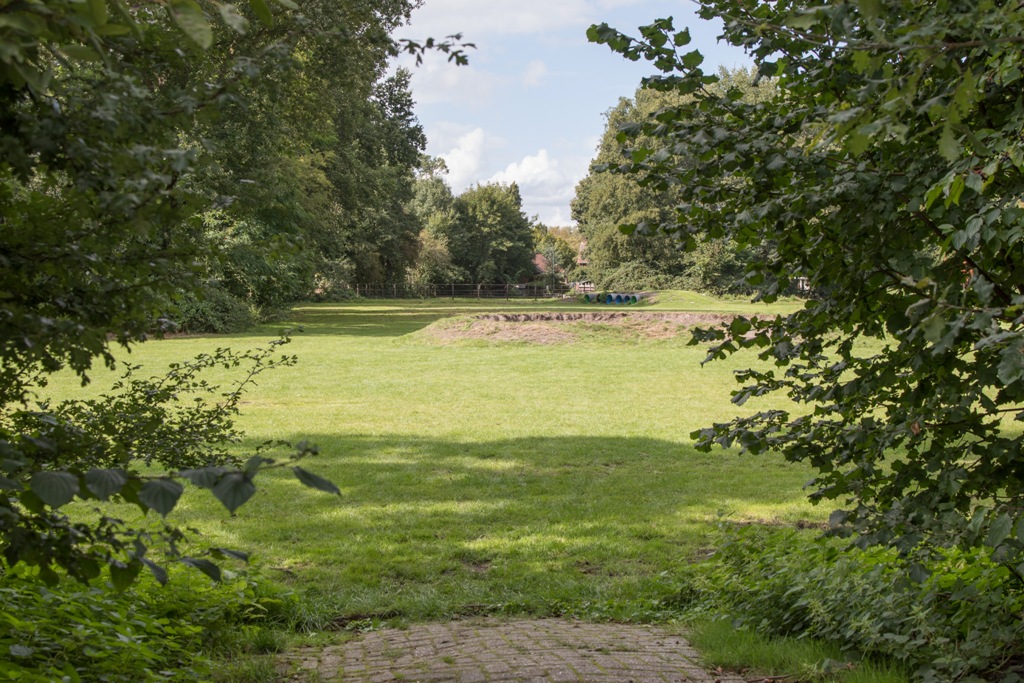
(493, 651)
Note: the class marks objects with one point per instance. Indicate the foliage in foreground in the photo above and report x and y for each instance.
(962, 620)
(888, 170)
(147, 634)
(100, 450)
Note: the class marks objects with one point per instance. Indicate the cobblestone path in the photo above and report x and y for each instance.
(492, 651)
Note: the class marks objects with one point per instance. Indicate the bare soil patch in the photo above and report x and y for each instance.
(565, 328)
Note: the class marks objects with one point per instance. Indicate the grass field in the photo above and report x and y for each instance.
(483, 477)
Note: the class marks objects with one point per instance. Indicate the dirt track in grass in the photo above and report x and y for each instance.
(566, 328)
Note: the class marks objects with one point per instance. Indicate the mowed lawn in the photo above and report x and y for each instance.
(486, 477)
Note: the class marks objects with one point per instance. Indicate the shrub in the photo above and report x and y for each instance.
(145, 634)
(214, 310)
(959, 617)
(634, 275)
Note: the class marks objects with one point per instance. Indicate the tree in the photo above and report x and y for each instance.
(490, 238)
(559, 247)
(102, 107)
(603, 202)
(887, 170)
(433, 205)
(642, 256)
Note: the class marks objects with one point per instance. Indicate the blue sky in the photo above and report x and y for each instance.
(530, 106)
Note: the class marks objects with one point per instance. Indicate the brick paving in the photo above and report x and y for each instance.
(520, 651)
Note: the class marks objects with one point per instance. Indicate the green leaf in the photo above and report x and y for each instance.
(253, 464)
(870, 8)
(933, 328)
(919, 573)
(105, 483)
(999, 531)
(130, 493)
(1011, 364)
(233, 490)
(205, 566)
(9, 484)
(191, 19)
(231, 16)
(204, 477)
(838, 518)
(313, 481)
(691, 60)
(803, 20)
(858, 143)
(113, 30)
(262, 10)
(123, 575)
(32, 502)
(682, 38)
(934, 193)
(949, 145)
(234, 554)
(161, 495)
(956, 190)
(975, 182)
(82, 53)
(55, 488)
(98, 9)
(156, 570)
(48, 576)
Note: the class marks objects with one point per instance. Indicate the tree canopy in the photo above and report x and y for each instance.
(647, 258)
(154, 154)
(887, 170)
(480, 236)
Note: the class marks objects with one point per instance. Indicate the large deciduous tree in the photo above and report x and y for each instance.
(887, 170)
(644, 257)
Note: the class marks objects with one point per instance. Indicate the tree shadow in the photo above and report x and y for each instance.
(425, 527)
(399, 318)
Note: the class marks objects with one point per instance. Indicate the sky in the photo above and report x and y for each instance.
(530, 105)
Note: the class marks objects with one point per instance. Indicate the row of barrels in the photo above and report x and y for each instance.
(615, 298)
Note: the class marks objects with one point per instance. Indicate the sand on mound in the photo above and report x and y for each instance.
(564, 328)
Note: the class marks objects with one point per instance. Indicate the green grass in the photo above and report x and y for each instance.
(786, 659)
(504, 478)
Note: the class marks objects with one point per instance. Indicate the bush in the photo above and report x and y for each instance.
(92, 633)
(636, 276)
(214, 310)
(959, 617)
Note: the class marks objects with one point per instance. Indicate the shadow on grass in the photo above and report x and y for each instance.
(398, 318)
(429, 528)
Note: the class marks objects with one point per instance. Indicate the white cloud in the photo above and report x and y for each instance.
(537, 169)
(475, 19)
(467, 154)
(547, 184)
(437, 81)
(534, 73)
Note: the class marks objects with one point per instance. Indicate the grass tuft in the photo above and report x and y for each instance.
(789, 659)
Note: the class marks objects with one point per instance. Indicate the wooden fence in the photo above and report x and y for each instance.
(459, 291)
